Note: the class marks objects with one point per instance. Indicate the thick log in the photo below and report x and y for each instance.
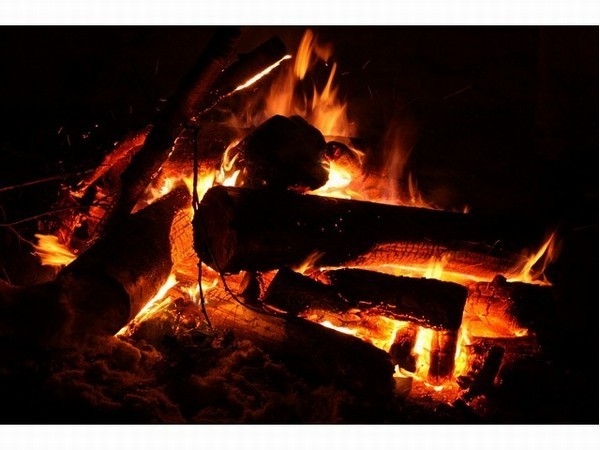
(180, 109)
(104, 287)
(504, 309)
(281, 153)
(247, 229)
(316, 352)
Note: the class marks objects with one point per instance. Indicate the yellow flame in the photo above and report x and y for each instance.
(546, 254)
(309, 262)
(52, 252)
(155, 304)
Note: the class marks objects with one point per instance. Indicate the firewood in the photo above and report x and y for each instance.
(317, 352)
(104, 287)
(484, 380)
(402, 348)
(426, 302)
(171, 121)
(294, 293)
(441, 357)
(281, 153)
(502, 309)
(250, 229)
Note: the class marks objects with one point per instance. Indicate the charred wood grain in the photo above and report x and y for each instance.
(250, 229)
(501, 308)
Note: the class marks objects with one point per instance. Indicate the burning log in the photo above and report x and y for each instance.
(484, 380)
(180, 109)
(429, 303)
(319, 353)
(426, 302)
(402, 348)
(103, 288)
(442, 354)
(256, 230)
(509, 308)
(282, 153)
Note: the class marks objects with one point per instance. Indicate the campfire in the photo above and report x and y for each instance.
(248, 222)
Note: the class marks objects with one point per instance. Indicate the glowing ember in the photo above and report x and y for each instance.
(344, 330)
(52, 252)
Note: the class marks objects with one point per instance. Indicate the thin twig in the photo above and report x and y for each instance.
(47, 213)
(45, 180)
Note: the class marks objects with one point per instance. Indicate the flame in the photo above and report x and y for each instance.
(530, 272)
(309, 262)
(52, 252)
(155, 304)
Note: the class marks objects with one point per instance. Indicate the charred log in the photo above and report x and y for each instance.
(442, 354)
(282, 153)
(247, 229)
(171, 121)
(294, 293)
(319, 353)
(509, 308)
(103, 288)
(429, 303)
(426, 302)
(484, 380)
(246, 67)
(402, 348)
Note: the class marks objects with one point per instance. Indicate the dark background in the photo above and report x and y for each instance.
(503, 119)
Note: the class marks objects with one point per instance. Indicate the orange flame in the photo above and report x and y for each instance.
(52, 252)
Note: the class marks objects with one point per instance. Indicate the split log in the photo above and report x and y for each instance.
(318, 353)
(282, 153)
(442, 355)
(104, 288)
(505, 309)
(256, 230)
(402, 348)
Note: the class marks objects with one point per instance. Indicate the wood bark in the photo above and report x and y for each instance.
(319, 353)
(249, 229)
